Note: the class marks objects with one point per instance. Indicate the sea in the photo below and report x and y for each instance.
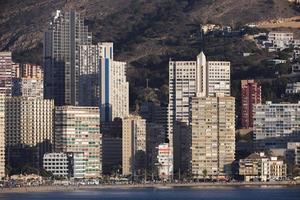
(227, 193)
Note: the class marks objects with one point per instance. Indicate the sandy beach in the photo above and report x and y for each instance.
(58, 188)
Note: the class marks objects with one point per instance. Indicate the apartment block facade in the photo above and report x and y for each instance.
(29, 130)
(275, 124)
(134, 145)
(6, 65)
(77, 130)
(2, 136)
(188, 79)
(213, 136)
(250, 95)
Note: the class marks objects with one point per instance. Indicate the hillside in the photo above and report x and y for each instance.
(146, 33)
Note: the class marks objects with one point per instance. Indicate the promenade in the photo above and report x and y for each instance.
(59, 188)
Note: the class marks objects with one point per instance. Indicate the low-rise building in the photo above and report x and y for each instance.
(65, 165)
(292, 88)
(165, 161)
(259, 167)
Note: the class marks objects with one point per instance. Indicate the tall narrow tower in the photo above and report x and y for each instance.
(61, 57)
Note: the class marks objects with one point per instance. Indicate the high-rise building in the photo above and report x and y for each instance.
(61, 57)
(188, 79)
(2, 136)
(114, 95)
(112, 146)
(213, 135)
(275, 124)
(6, 65)
(250, 95)
(77, 130)
(133, 145)
(29, 130)
(89, 79)
(103, 81)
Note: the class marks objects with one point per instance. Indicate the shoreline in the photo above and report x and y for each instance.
(71, 188)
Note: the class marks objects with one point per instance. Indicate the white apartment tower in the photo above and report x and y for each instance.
(189, 79)
(103, 81)
(114, 95)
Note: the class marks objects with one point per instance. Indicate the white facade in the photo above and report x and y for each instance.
(165, 161)
(280, 40)
(293, 88)
(29, 87)
(276, 124)
(218, 80)
(57, 164)
(114, 95)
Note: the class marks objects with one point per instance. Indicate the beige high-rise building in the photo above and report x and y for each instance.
(189, 79)
(29, 129)
(133, 145)
(77, 130)
(2, 136)
(213, 135)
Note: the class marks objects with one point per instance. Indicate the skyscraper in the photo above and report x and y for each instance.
(103, 81)
(213, 135)
(114, 88)
(250, 95)
(6, 66)
(61, 57)
(189, 79)
(133, 145)
(77, 130)
(2, 136)
(29, 130)
(89, 79)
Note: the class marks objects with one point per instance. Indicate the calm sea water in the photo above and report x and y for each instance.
(168, 194)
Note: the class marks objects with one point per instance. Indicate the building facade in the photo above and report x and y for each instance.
(134, 145)
(61, 57)
(77, 130)
(165, 161)
(259, 167)
(65, 165)
(28, 81)
(89, 83)
(292, 88)
(250, 95)
(2, 136)
(213, 136)
(29, 130)
(114, 95)
(112, 146)
(189, 79)
(275, 124)
(6, 65)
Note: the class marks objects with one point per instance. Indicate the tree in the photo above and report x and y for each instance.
(204, 172)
